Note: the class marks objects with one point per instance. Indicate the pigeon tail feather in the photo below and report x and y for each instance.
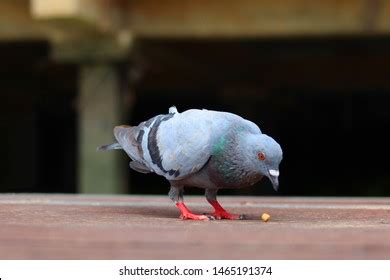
(130, 138)
(113, 146)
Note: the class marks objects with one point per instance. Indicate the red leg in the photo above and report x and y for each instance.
(186, 213)
(221, 213)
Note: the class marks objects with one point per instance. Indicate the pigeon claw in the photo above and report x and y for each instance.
(186, 214)
(190, 216)
(242, 217)
(219, 215)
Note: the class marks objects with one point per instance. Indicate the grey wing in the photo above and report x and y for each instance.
(140, 143)
(185, 142)
(179, 146)
(176, 145)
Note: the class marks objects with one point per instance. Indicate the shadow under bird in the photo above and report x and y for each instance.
(200, 148)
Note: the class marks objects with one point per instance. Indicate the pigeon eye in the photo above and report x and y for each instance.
(261, 156)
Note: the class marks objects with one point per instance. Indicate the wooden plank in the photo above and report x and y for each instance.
(56, 20)
(16, 22)
(54, 8)
(99, 111)
(252, 18)
(148, 227)
(185, 18)
(86, 30)
(104, 16)
(383, 13)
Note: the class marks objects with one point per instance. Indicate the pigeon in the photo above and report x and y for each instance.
(200, 148)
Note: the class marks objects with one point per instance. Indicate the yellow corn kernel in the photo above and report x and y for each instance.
(265, 217)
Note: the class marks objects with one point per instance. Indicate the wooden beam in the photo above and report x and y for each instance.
(16, 22)
(188, 18)
(86, 30)
(384, 16)
(56, 20)
(253, 18)
(104, 16)
(54, 8)
(25, 19)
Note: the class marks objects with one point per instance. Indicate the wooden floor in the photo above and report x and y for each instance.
(147, 227)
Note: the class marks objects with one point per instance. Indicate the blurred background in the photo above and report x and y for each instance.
(312, 74)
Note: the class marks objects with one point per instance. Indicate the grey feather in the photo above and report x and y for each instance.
(173, 110)
(135, 165)
(113, 146)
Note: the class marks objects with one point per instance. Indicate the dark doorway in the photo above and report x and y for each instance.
(38, 120)
(324, 99)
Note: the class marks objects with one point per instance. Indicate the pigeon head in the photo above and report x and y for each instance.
(266, 155)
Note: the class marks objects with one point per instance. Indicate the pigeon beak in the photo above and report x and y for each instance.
(273, 176)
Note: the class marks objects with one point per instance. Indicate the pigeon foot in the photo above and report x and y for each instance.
(191, 216)
(221, 213)
(225, 215)
(186, 214)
